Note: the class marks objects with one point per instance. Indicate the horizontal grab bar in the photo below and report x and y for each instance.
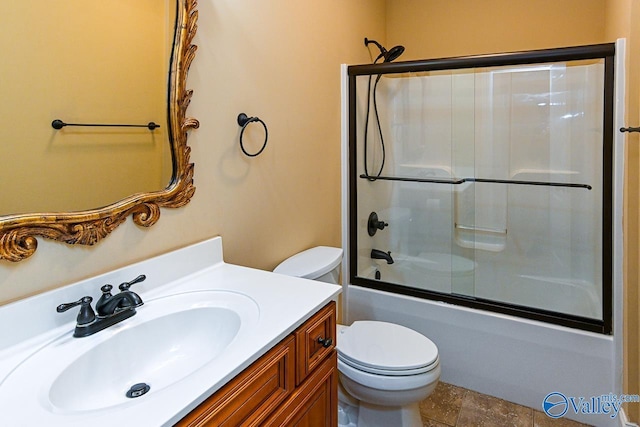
(59, 124)
(463, 180)
(479, 229)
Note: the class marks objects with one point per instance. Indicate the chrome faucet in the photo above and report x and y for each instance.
(378, 254)
(111, 309)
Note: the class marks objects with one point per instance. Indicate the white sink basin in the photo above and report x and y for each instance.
(168, 339)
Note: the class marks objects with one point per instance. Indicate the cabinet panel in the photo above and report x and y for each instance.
(315, 403)
(252, 395)
(315, 340)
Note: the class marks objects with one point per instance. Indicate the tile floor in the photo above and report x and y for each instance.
(452, 406)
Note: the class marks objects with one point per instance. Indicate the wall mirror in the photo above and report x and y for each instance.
(99, 63)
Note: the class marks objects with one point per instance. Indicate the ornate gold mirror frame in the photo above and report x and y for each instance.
(18, 232)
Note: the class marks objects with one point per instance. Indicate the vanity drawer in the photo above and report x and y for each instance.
(253, 394)
(315, 340)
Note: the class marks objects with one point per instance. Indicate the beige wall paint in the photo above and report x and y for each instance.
(279, 61)
(276, 60)
(443, 28)
(622, 17)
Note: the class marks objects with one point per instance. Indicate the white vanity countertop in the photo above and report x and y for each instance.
(283, 303)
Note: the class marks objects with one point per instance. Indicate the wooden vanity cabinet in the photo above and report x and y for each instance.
(314, 403)
(293, 384)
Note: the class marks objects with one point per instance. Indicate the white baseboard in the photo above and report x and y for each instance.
(623, 420)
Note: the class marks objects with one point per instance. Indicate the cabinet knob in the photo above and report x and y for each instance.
(326, 342)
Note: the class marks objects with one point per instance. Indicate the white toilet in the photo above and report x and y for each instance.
(384, 368)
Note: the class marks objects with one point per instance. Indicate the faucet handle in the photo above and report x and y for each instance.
(135, 300)
(374, 224)
(126, 285)
(64, 307)
(86, 314)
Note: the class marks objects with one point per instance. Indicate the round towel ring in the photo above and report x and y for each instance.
(244, 121)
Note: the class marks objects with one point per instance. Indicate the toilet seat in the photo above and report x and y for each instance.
(387, 372)
(389, 382)
(387, 349)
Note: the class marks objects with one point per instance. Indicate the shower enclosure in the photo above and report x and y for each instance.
(486, 182)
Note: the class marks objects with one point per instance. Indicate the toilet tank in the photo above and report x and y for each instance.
(321, 263)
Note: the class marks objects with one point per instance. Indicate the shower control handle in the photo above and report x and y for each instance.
(374, 224)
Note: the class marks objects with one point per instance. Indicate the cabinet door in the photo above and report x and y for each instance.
(314, 403)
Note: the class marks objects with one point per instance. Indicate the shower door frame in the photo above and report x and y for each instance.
(605, 52)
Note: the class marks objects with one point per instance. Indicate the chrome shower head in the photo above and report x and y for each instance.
(388, 55)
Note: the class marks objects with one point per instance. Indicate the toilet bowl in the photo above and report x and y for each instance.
(384, 368)
(389, 369)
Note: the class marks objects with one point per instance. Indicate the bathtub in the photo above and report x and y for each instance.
(430, 271)
(454, 274)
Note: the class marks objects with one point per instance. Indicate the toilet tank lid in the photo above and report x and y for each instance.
(312, 263)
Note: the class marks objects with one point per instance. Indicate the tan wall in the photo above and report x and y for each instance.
(622, 17)
(443, 28)
(279, 61)
(276, 60)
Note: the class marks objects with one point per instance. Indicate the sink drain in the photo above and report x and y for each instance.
(138, 390)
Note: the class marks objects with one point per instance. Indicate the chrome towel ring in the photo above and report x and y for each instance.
(244, 121)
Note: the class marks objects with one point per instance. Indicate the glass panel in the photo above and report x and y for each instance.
(456, 153)
(416, 130)
(547, 123)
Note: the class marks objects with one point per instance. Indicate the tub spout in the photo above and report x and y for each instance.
(378, 254)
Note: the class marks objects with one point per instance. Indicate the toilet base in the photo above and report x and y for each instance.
(364, 415)
(361, 414)
(379, 416)
(347, 415)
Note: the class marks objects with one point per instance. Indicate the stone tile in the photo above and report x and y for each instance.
(481, 410)
(443, 405)
(540, 419)
(431, 423)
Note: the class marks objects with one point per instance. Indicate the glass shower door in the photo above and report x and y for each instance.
(491, 185)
